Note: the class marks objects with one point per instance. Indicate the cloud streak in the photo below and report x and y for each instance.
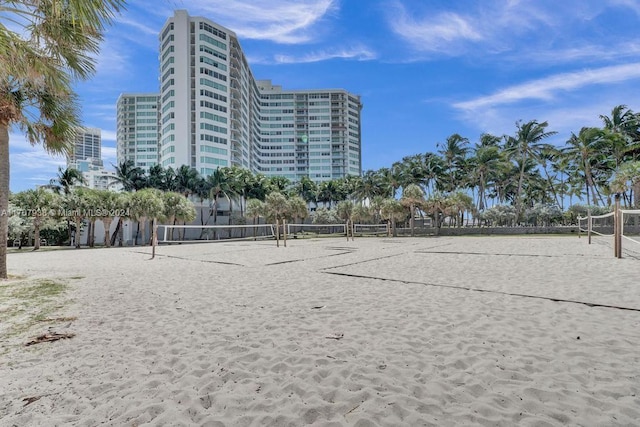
(547, 88)
(355, 53)
(281, 21)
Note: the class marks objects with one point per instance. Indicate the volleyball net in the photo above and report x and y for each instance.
(371, 229)
(317, 229)
(603, 227)
(211, 233)
(630, 231)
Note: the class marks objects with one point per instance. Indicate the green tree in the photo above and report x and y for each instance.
(130, 176)
(393, 211)
(627, 178)
(177, 208)
(108, 205)
(276, 209)
(307, 189)
(279, 184)
(584, 152)
(412, 198)
(186, 180)
(525, 146)
(66, 179)
(454, 152)
(37, 204)
(255, 209)
(436, 205)
(76, 204)
(53, 45)
(219, 186)
(147, 204)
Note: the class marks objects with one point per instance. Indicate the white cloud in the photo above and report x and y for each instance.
(108, 135)
(634, 5)
(357, 53)
(549, 87)
(282, 21)
(491, 24)
(109, 156)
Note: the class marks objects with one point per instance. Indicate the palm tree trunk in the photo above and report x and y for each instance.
(119, 232)
(92, 233)
(78, 221)
(36, 234)
(412, 219)
(4, 197)
(154, 240)
(107, 227)
(142, 223)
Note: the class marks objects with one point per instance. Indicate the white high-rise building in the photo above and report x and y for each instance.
(138, 129)
(87, 145)
(213, 113)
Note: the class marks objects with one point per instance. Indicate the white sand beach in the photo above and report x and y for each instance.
(494, 331)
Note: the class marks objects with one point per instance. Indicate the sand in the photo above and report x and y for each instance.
(495, 331)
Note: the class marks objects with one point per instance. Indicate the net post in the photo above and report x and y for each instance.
(284, 232)
(346, 229)
(165, 233)
(589, 225)
(579, 226)
(617, 222)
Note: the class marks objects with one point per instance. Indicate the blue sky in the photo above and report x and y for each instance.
(425, 69)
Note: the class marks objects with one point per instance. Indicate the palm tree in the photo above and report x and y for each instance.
(147, 204)
(259, 187)
(275, 209)
(454, 151)
(329, 192)
(160, 178)
(344, 210)
(109, 203)
(130, 176)
(76, 205)
(240, 184)
(484, 165)
(524, 146)
(390, 181)
(37, 203)
(307, 189)
(66, 179)
(584, 151)
(53, 45)
(92, 199)
(177, 207)
(434, 172)
(255, 209)
(369, 186)
(186, 180)
(279, 184)
(393, 211)
(437, 204)
(627, 178)
(459, 203)
(413, 171)
(412, 198)
(218, 183)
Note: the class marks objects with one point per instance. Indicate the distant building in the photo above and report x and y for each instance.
(213, 113)
(138, 129)
(96, 177)
(88, 145)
